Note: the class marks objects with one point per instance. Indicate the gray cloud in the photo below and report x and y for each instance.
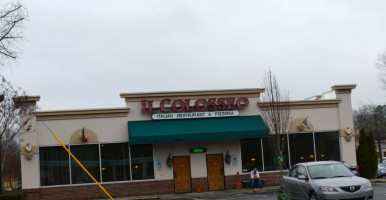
(83, 54)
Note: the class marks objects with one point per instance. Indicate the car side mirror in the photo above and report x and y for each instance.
(302, 177)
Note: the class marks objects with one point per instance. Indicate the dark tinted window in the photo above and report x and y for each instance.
(327, 146)
(301, 147)
(251, 154)
(115, 162)
(54, 166)
(270, 159)
(142, 166)
(88, 155)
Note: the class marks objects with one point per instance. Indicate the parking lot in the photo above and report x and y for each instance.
(379, 186)
(379, 194)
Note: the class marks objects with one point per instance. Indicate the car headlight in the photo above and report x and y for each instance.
(327, 189)
(368, 185)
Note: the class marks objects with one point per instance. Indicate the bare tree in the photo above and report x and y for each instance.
(11, 159)
(12, 16)
(276, 115)
(372, 118)
(14, 118)
(381, 65)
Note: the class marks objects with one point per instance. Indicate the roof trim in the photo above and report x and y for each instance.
(307, 104)
(136, 97)
(343, 89)
(26, 100)
(81, 114)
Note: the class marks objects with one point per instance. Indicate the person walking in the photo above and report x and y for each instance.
(255, 178)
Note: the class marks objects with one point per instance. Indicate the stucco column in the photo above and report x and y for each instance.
(29, 156)
(346, 123)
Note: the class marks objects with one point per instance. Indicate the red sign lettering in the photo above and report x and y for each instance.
(178, 105)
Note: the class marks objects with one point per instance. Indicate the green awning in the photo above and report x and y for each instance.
(180, 130)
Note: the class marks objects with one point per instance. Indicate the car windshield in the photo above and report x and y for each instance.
(331, 170)
(347, 165)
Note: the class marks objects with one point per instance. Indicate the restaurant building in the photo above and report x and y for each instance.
(177, 142)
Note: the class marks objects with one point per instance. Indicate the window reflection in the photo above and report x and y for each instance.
(88, 155)
(270, 159)
(324, 151)
(251, 154)
(115, 162)
(142, 166)
(54, 166)
(301, 147)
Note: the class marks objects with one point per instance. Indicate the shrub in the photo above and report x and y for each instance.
(363, 153)
(367, 155)
(373, 156)
(13, 195)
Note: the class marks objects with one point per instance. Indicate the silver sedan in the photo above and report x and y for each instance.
(381, 171)
(325, 180)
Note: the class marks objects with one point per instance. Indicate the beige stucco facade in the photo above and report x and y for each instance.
(332, 111)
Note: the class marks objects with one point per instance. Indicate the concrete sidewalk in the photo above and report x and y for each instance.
(211, 194)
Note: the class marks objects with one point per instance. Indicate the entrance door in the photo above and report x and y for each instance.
(181, 172)
(215, 166)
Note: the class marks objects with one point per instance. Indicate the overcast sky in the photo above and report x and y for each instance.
(83, 54)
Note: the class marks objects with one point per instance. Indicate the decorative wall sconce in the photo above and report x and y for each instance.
(228, 158)
(28, 148)
(348, 131)
(347, 134)
(169, 161)
(28, 152)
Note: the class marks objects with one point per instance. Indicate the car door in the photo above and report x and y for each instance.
(301, 189)
(290, 181)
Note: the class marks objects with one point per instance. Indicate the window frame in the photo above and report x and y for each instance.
(290, 164)
(100, 162)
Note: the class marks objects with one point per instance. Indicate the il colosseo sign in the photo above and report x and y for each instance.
(217, 107)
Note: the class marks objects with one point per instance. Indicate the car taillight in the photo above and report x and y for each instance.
(357, 170)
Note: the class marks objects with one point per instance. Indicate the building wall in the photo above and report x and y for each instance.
(127, 189)
(115, 129)
(106, 129)
(197, 161)
(321, 118)
(348, 153)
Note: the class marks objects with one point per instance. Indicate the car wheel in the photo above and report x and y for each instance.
(313, 196)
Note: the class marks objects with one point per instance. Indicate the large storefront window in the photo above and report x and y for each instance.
(330, 151)
(251, 154)
(270, 159)
(142, 166)
(301, 147)
(54, 166)
(115, 162)
(88, 155)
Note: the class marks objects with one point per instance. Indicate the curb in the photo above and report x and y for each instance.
(378, 180)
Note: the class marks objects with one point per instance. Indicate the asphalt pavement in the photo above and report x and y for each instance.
(263, 193)
(204, 195)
